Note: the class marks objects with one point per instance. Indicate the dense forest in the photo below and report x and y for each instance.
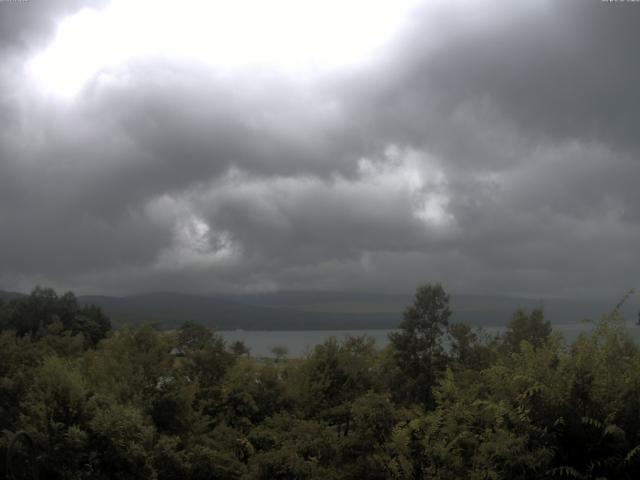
(80, 400)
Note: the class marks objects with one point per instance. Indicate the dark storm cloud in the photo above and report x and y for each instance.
(570, 75)
(536, 119)
(563, 71)
(491, 147)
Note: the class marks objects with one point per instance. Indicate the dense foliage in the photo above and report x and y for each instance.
(440, 401)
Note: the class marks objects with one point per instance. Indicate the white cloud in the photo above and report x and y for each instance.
(195, 244)
(302, 37)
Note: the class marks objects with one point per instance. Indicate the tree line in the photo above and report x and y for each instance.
(440, 401)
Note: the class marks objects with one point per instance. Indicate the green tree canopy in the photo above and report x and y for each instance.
(418, 344)
(527, 327)
(34, 314)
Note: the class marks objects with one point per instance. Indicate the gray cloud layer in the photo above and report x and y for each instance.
(493, 147)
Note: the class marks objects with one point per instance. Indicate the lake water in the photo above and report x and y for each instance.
(300, 342)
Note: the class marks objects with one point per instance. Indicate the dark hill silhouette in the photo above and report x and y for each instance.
(228, 313)
(322, 310)
(7, 296)
(308, 310)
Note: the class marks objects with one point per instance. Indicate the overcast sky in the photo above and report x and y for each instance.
(337, 145)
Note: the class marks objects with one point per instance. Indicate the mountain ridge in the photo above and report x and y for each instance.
(323, 310)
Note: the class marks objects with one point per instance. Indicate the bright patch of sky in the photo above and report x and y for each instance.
(302, 37)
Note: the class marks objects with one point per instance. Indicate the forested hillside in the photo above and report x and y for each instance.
(141, 403)
(322, 310)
